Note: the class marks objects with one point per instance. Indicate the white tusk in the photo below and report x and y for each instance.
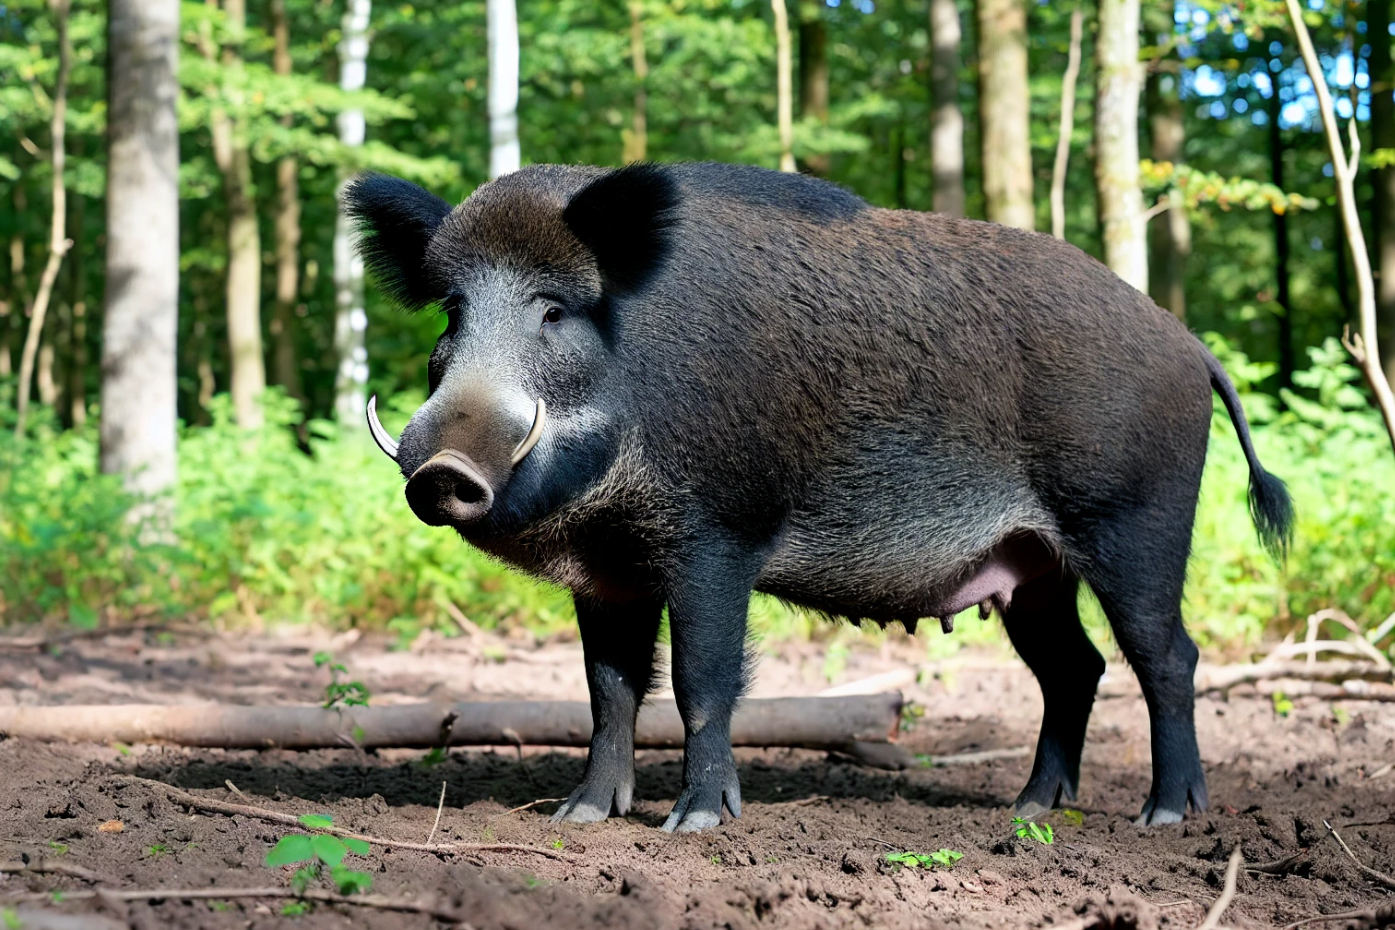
(380, 435)
(534, 434)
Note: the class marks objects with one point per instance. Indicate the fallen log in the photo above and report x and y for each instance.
(836, 724)
(1225, 677)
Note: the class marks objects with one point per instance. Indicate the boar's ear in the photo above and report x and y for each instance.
(396, 220)
(625, 218)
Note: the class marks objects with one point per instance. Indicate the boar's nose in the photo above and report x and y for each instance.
(449, 490)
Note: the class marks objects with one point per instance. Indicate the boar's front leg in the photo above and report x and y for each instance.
(618, 640)
(707, 610)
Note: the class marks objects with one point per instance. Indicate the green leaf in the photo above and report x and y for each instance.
(357, 847)
(316, 821)
(349, 881)
(1073, 817)
(329, 849)
(82, 616)
(304, 876)
(322, 658)
(290, 850)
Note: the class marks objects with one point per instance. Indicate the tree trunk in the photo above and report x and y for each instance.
(635, 140)
(1281, 249)
(1118, 83)
(947, 118)
(58, 235)
(244, 275)
(75, 375)
(1067, 127)
(1170, 236)
(350, 317)
(12, 310)
(1383, 180)
(784, 85)
(813, 77)
(142, 252)
(283, 329)
(502, 33)
(1004, 112)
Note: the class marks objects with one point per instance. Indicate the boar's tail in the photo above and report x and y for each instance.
(1270, 506)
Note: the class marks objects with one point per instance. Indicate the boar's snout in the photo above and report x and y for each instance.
(449, 490)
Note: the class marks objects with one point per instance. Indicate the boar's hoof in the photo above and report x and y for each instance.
(1155, 815)
(1031, 810)
(580, 812)
(699, 807)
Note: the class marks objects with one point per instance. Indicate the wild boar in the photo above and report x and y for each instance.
(674, 385)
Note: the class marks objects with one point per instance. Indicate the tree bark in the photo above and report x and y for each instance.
(1170, 235)
(244, 274)
(350, 317)
(1281, 245)
(1067, 127)
(946, 117)
(502, 33)
(1004, 112)
(142, 251)
(784, 85)
(1118, 83)
(283, 328)
(75, 374)
(636, 140)
(813, 77)
(58, 236)
(1383, 179)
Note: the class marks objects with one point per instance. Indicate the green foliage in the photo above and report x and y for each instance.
(319, 851)
(341, 693)
(941, 859)
(1030, 830)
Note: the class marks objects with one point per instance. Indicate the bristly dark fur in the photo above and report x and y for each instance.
(757, 381)
(396, 220)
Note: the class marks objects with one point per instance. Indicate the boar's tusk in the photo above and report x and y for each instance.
(380, 435)
(534, 434)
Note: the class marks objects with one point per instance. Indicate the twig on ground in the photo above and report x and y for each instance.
(529, 806)
(439, 806)
(211, 805)
(1232, 873)
(1379, 877)
(377, 901)
(1279, 867)
(234, 789)
(68, 636)
(1383, 916)
(801, 802)
(49, 867)
(975, 758)
(1225, 677)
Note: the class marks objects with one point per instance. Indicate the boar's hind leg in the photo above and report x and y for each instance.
(1044, 625)
(1137, 571)
(707, 622)
(618, 641)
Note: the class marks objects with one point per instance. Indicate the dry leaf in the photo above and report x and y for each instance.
(111, 826)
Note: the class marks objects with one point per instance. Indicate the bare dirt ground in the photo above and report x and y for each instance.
(809, 850)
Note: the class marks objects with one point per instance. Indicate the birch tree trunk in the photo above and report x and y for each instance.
(502, 34)
(813, 77)
(1066, 128)
(636, 139)
(286, 360)
(1118, 83)
(784, 85)
(142, 249)
(244, 244)
(1004, 112)
(58, 236)
(350, 317)
(1170, 235)
(1383, 179)
(947, 117)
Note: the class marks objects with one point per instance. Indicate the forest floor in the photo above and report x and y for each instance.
(808, 851)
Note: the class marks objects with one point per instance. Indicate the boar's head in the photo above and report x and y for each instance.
(529, 270)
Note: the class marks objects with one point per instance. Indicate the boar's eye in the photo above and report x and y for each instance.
(553, 315)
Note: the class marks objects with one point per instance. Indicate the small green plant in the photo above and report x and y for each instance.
(940, 859)
(558, 843)
(317, 851)
(487, 834)
(1282, 705)
(911, 714)
(1029, 830)
(57, 847)
(1073, 817)
(433, 758)
(835, 661)
(295, 908)
(56, 896)
(219, 906)
(716, 859)
(157, 850)
(1340, 715)
(121, 748)
(342, 693)
(772, 859)
(10, 918)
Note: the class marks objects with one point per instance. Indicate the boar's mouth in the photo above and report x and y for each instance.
(449, 488)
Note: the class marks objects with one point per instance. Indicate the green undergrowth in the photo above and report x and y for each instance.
(265, 531)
